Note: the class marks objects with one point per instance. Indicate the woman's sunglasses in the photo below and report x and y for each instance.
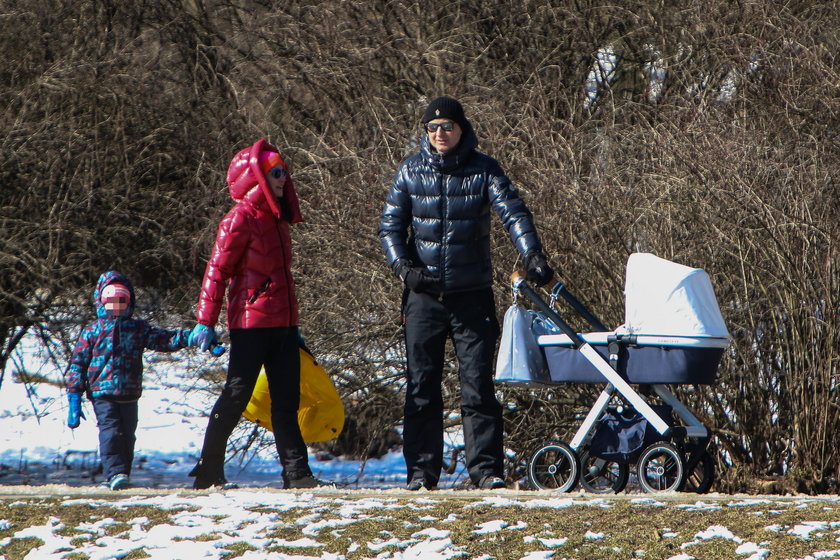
(278, 173)
(432, 127)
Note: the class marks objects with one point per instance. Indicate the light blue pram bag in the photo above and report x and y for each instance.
(521, 360)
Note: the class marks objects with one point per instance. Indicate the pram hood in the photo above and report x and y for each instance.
(666, 298)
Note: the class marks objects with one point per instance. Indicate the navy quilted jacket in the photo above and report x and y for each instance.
(107, 360)
(437, 214)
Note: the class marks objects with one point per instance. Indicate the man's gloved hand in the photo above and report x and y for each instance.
(417, 279)
(74, 410)
(202, 337)
(537, 270)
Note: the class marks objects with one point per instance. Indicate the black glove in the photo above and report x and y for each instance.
(417, 279)
(537, 270)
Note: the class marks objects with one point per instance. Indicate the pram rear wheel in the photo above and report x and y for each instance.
(700, 478)
(554, 467)
(602, 476)
(660, 468)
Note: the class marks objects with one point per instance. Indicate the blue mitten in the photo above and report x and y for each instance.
(202, 337)
(74, 412)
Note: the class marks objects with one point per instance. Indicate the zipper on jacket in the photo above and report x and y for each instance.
(287, 267)
(444, 229)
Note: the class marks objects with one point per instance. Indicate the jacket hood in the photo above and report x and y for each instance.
(111, 277)
(247, 181)
(454, 158)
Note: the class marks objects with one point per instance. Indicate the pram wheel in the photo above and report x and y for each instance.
(660, 468)
(602, 476)
(700, 478)
(554, 467)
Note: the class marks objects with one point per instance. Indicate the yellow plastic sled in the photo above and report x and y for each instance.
(321, 413)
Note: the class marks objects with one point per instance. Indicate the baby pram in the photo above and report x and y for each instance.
(673, 334)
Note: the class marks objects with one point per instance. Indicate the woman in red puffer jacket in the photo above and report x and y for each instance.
(252, 258)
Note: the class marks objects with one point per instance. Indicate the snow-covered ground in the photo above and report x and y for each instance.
(268, 524)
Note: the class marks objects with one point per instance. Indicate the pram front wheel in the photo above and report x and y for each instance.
(554, 467)
(602, 476)
(660, 468)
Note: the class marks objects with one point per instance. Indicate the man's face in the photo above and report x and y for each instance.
(441, 139)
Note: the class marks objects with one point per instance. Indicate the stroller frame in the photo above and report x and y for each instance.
(662, 466)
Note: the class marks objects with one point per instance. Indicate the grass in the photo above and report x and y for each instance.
(603, 529)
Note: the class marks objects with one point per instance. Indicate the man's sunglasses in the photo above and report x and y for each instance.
(278, 173)
(432, 127)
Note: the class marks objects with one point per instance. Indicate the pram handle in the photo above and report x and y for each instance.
(561, 290)
(518, 281)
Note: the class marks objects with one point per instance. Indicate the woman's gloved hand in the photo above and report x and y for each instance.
(202, 337)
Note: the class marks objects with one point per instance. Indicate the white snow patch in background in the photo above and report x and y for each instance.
(756, 552)
(804, 529)
(491, 527)
(538, 555)
(713, 532)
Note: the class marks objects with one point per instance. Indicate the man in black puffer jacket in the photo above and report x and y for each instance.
(435, 230)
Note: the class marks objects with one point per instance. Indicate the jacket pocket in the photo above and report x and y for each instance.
(259, 291)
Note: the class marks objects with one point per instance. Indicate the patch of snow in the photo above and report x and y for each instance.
(803, 530)
(490, 527)
(755, 551)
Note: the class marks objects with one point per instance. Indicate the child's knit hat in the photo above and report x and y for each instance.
(115, 290)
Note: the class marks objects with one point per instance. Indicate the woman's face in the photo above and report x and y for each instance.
(277, 177)
(441, 139)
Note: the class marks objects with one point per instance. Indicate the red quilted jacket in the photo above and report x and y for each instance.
(253, 252)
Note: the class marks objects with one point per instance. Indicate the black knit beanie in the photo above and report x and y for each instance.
(445, 108)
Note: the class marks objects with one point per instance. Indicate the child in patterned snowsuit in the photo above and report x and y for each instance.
(107, 365)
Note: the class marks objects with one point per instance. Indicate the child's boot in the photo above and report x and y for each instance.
(118, 482)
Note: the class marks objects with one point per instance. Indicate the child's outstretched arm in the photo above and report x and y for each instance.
(164, 340)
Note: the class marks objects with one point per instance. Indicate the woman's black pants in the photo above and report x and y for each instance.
(276, 348)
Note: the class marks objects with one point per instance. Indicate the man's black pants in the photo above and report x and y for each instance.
(469, 318)
(278, 349)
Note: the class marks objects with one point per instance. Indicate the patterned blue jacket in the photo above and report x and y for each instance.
(107, 360)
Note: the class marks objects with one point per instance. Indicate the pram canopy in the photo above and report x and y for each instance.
(673, 332)
(666, 298)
